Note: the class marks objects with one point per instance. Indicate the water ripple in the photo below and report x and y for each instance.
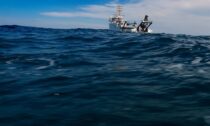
(87, 77)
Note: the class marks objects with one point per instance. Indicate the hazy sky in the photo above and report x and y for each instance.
(169, 16)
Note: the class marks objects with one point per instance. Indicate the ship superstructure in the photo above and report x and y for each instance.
(117, 23)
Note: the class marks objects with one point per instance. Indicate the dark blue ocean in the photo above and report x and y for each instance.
(86, 77)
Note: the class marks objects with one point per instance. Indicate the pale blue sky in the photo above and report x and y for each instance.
(170, 16)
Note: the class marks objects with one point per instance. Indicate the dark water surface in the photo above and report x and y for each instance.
(85, 77)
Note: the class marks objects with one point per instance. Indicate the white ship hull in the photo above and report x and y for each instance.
(116, 27)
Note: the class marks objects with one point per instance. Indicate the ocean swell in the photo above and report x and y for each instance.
(87, 77)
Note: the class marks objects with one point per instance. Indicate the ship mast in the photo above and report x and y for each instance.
(119, 10)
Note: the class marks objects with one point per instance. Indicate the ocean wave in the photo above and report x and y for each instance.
(102, 77)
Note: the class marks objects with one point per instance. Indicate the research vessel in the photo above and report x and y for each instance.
(117, 23)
